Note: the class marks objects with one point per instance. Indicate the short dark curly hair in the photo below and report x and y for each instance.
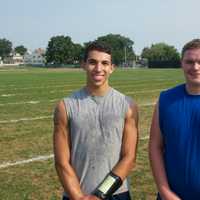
(98, 46)
(193, 44)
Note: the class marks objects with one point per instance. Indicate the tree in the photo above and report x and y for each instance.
(60, 50)
(161, 55)
(5, 48)
(78, 51)
(122, 48)
(21, 50)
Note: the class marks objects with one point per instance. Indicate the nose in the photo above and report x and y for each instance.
(196, 65)
(98, 67)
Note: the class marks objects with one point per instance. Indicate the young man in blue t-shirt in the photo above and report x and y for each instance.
(174, 147)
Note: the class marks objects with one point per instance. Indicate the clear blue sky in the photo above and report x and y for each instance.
(33, 23)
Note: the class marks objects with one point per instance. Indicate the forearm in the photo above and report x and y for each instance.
(156, 149)
(69, 181)
(62, 154)
(124, 167)
(129, 143)
(158, 169)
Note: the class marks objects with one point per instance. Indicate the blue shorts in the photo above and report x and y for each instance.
(121, 196)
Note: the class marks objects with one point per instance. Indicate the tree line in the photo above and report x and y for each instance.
(62, 50)
(6, 48)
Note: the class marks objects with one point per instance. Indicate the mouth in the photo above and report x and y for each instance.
(98, 77)
(194, 74)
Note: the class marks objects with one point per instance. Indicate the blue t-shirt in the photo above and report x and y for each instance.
(179, 117)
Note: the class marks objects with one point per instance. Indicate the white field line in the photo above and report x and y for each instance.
(21, 162)
(27, 102)
(144, 138)
(64, 85)
(18, 103)
(38, 158)
(39, 87)
(146, 91)
(53, 91)
(50, 116)
(147, 104)
(53, 100)
(25, 119)
(7, 95)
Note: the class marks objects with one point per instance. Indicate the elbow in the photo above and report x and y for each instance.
(63, 167)
(131, 162)
(155, 153)
(155, 148)
(59, 166)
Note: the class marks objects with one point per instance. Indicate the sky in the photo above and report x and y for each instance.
(145, 22)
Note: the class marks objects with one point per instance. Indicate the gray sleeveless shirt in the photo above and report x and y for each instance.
(96, 130)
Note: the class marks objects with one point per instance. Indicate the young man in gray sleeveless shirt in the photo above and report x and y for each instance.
(95, 134)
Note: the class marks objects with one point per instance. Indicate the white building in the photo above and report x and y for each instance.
(1, 61)
(17, 59)
(13, 59)
(35, 58)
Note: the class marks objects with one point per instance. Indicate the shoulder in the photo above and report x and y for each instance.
(60, 113)
(174, 90)
(129, 101)
(172, 95)
(78, 95)
(72, 97)
(123, 97)
(75, 94)
(170, 98)
(117, 93)
(132, 108)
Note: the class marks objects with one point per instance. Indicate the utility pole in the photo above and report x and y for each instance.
(125, 59)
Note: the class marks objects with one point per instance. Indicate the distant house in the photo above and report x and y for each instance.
(13, 59)
(1, 61)
(35, 58)
(17, 59)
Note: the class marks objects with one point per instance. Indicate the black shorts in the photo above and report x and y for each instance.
(158, 197)
(121, 196)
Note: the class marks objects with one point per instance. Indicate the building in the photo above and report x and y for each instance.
(13, 59)
(1, 61)
(36, 57)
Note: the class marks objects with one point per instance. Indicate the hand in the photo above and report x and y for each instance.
(89, 197)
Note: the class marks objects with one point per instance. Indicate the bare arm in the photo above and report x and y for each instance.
(156, 159)
(61, 141)
(129, 143)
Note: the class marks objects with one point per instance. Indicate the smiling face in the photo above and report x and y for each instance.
(191, 67)
(98, 67)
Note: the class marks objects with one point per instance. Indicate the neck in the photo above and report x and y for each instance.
(97, 91)
(193, 90)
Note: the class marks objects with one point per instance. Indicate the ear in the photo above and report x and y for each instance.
(82, 65)
(112, 68)
(181, 62)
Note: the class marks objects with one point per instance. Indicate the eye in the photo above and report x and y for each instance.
(92, 62)
(105, 63)
(189, 62)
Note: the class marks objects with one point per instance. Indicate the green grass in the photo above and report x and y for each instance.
(33, 92)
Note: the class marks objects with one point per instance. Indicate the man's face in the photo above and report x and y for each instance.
(191, 67)
(98, 67)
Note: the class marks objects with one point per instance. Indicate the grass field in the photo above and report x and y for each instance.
(27, 100)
